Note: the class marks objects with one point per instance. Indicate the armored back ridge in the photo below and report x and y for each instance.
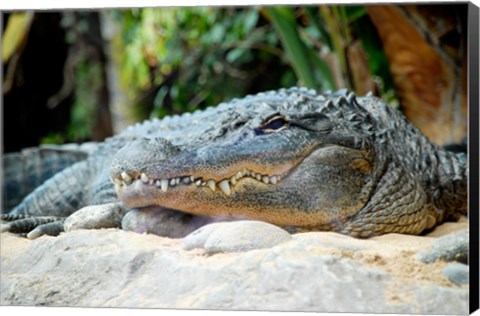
(292, 157)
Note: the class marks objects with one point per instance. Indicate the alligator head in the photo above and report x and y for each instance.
(291, 161)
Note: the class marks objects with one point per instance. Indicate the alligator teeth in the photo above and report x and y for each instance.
(225, 187)
(273, 180)
(164, 184)
(126, 177)
(211, 184)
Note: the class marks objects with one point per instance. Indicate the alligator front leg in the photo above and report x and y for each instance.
(107, 215)
(152, 220)
(80, 196)
(32, 226)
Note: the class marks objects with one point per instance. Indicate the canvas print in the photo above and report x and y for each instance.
(267, 158)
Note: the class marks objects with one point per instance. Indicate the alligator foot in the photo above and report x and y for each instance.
(163, 222)
(90, 217)
(32, 226)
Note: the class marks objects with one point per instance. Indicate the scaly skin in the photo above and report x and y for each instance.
(26, 170)
(289, 157)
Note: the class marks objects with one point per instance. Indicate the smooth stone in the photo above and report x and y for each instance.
(236, 236)
(96, 216)
(457, 273)
(451, 247)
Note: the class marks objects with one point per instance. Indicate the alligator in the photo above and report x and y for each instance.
(293, 157)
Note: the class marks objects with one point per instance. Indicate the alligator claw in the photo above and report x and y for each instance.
(50, 229)
(33, 226)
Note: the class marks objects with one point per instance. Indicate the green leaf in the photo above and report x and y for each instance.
(217, 33)
(318, 26)
(15, 33)
(250, 21)
(284, 21)
(53, 138)
(322, 72)
(355, 12)
(235, 54)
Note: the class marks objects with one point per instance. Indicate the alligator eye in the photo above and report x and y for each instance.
(276, 123)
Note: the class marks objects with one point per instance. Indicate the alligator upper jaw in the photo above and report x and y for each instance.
(227, 184)
(216, 169)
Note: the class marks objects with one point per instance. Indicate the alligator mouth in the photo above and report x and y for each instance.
(224, 185)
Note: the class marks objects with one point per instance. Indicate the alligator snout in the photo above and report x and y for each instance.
(137, 156)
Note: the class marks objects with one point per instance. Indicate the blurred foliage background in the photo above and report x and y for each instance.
(179, 59)
(84, 75)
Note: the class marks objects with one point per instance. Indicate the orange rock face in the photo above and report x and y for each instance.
(428, 68)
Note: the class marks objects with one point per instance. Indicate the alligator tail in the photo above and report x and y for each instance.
(26, 170)
(60, 195)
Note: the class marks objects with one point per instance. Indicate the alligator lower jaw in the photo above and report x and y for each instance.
(242, 202)
(198, 200)
(130, 184)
